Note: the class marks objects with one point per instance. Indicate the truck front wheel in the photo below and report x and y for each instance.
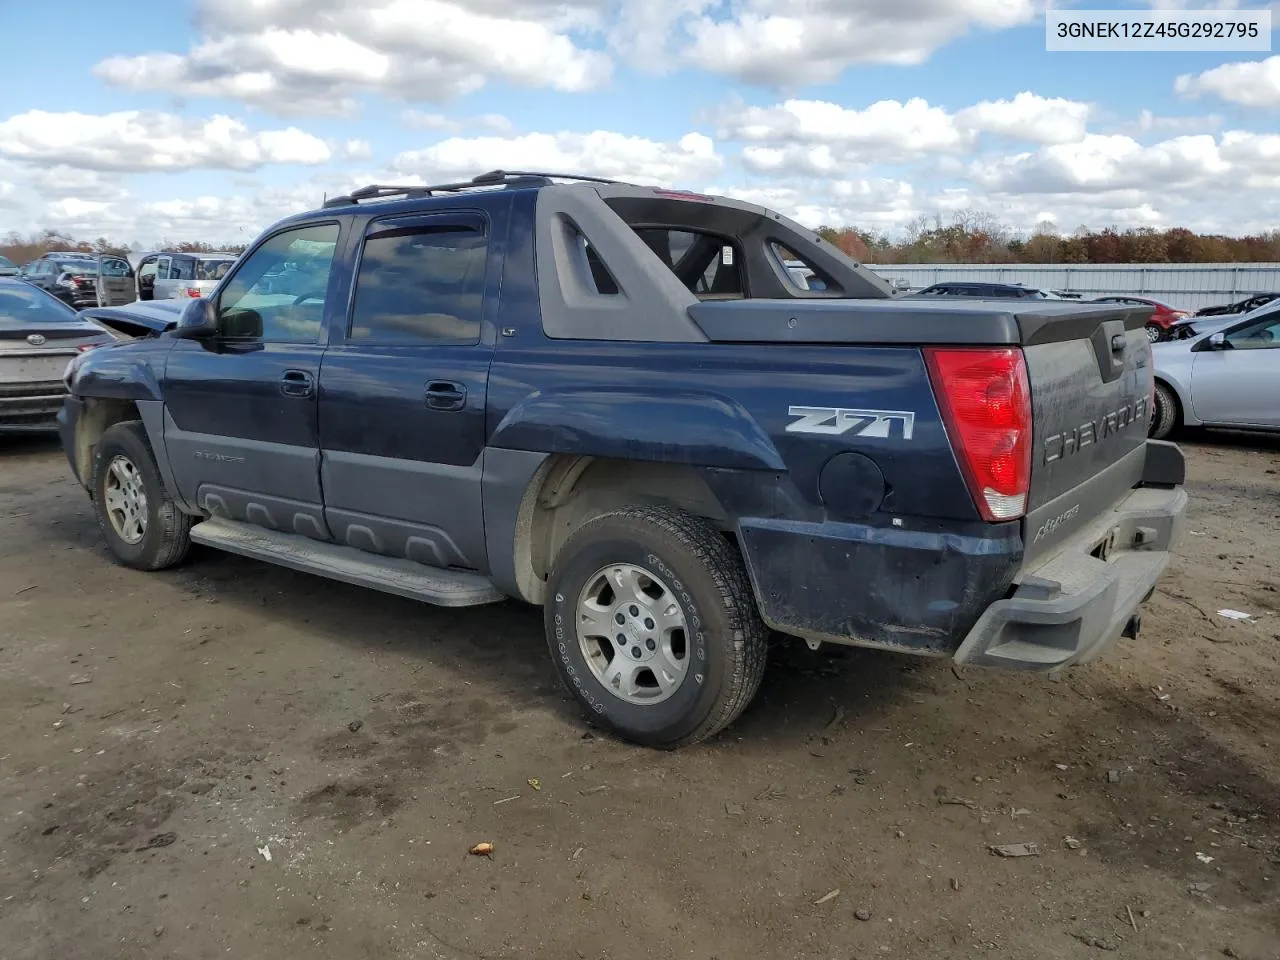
(653, 627)
(142, 525)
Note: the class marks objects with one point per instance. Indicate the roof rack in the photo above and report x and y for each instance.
(494, 178)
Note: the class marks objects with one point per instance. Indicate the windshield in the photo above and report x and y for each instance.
(6, 262)
(212, 269)
(26, 306)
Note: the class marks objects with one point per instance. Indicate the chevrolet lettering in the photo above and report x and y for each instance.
(1065, 444)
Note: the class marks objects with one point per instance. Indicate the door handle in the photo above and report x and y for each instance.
(446, 395)
(297, 383)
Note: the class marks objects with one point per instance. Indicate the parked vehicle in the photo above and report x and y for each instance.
(73, 277)
(1163, 317)
(39, 335)
(1221, 378)
(137, 319)
(985, 291)
(1194, 326)
(164, 276)
(8, 268)
(1240, 306)
(612, 401)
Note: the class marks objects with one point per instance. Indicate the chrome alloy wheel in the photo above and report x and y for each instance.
(126, 500)
(633, 634)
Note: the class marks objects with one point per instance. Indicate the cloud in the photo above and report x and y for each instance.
(1028, 117)
(814, 41)
(322, 56)
(357, 150)
(134, 140)
(1251, 84)
(318, 57)
(693, 158)
(1101, 163)
(817, 137)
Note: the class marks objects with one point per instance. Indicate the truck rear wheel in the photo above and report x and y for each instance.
(142, 525)
(653, 626)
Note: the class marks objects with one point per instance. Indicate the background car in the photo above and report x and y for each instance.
(1194, 326)
(1227, 378)
(163, 276)
(8, 268)
(1163, 318)
(984, 291)
(39, 336)
(72, 278)
(1240, 306)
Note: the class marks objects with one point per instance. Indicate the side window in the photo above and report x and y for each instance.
(147, 270)
(112, 267)
(420, 284)
(709, 265)
(1259, 335)
(277, 293)
(162, 268)
(802, 274)
(182, 268)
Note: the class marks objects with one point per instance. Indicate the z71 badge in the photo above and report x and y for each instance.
(862, 423)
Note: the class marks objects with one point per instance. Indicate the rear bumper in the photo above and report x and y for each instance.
(969, 591)
(1074, 606)
(30, 407)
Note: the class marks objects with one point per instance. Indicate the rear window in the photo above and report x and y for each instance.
(212, 269)
(25, 306)
(708, 264)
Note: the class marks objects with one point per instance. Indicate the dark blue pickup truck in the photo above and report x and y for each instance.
(618, 403)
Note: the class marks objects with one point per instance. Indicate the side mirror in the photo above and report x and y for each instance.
(1215, 341)
(198, 321)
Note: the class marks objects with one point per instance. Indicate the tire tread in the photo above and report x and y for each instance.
(721, 560)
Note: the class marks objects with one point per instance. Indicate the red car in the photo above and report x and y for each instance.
(1160, 321)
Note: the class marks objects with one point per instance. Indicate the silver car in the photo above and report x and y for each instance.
(164, 276)
(39, 337)
(1228, 377)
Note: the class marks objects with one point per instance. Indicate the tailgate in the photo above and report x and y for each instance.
(1091, 381)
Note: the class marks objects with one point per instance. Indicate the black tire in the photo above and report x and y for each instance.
(1154, 333)
(725, 635)
(1165, 415)
(166, 535)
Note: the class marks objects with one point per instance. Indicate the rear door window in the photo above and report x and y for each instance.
(421, 282)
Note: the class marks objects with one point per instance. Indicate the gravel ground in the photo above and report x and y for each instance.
(230, 759)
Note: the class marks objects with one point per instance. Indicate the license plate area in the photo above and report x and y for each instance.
(33, 369)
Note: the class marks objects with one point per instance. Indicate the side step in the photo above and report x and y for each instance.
(404, 578)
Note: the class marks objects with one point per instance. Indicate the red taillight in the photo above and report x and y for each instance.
(86, 347)
(985, 400)
(192, 292)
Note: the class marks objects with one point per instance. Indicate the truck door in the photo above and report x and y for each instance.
(403, 387)
(240, 423)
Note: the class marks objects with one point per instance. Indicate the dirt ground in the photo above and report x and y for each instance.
(230, 759)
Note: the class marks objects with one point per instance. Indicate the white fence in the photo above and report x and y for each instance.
(1185, 285)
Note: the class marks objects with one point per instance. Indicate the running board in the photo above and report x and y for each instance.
(404, 578)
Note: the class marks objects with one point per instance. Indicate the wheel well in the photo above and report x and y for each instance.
(570, 490)
(98, 415)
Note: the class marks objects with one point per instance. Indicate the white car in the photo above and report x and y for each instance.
(1229, 377)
